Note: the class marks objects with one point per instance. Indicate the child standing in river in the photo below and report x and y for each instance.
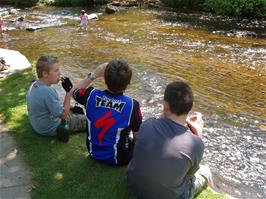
(83, 20)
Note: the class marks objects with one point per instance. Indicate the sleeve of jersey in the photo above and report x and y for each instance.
(81, 95)
(136, 117)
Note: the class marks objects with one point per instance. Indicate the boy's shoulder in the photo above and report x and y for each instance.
(150, 121)
(41, 87)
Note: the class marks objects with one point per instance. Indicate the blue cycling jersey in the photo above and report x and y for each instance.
(108, 116)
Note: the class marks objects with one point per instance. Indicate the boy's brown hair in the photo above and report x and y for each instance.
(180, 97)
(45, 63)
(117, 75)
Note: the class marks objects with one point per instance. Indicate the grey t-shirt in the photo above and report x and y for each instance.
(165, 158)
(44, 108)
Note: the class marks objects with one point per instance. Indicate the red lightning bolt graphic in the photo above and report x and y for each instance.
(106, 123)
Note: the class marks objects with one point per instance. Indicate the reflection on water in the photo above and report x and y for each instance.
(228, 75)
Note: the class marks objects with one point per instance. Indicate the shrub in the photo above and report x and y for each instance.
(183, 3)
(68, 2)
(20, 2)
(243, 8)
(73, 2)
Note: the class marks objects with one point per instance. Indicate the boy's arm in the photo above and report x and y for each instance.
(98, 72)
(136, 119)
(66, 104)
(68, 87)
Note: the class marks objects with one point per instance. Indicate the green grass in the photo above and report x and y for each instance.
(60, 170)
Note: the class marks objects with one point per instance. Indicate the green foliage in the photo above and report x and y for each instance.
(243, 8)
(50, 2)
(21, 2)
(220, 7)
(73, 2)
(68, 2)
(101, 2)
(63, 2)
(183, 3)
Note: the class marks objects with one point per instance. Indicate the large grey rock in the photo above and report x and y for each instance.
(15, 60)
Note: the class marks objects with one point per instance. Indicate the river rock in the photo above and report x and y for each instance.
(21, 18)
(137, 3)
(240, 34)
(92, 16)
(15, 60)
(33, 28)
(116, 3)
(12, 11)
(155, 4)
(3, 12)
(110, 9)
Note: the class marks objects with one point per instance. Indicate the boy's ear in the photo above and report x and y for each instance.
(45, 73)
(166, 107)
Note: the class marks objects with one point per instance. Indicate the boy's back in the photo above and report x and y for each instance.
(43, 108)
(164, 156)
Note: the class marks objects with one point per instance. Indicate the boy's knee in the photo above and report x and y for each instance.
(206, 173)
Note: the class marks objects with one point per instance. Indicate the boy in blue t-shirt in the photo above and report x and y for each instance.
(111, 115)
(44, 108)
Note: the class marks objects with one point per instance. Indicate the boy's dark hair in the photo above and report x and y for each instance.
(45, 63)
(117, 75)
(179, 96)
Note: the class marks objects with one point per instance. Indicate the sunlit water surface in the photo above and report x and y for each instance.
(228, 75)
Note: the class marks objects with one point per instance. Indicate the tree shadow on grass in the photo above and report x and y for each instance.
(12, 94)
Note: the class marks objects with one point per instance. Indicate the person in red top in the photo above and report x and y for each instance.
(112, 116)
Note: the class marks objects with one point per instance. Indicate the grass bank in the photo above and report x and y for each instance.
(60, 170)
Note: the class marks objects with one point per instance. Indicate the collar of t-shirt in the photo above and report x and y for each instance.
(114, 94)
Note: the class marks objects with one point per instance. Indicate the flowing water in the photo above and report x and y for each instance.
(226, 71)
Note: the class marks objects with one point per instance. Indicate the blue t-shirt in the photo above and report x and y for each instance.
(44, 108)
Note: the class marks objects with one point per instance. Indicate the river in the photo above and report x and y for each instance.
(226, 71)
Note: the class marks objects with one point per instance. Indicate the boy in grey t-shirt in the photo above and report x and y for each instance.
(44, 107)
(168, 151)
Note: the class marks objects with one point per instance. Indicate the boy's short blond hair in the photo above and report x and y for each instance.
(45, 63)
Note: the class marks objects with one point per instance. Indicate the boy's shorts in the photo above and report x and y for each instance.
(200, 180)
(77, 122)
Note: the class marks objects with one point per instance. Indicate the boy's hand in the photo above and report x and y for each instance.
(99, 71)
(66, 84)
(195, 123)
